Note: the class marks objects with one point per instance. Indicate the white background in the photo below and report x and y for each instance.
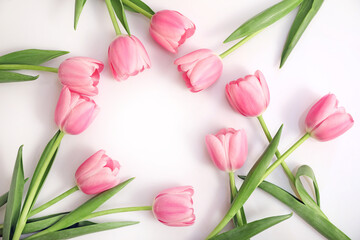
(155, 127)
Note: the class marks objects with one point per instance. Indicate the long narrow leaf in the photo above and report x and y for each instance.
(306, 13)
(251, 229)
(3, 199)
(120, 13)
(6, 77)
(251, 182)
(313, 218)
(140, 4)
(84, 210)
(79, 5)
(13, 206)
(264, 19)
(79, 231)
(40, 165)
(31, 56)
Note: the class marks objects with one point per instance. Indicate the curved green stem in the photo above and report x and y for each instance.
(137, 8)
(238, 221)
(285, 155)
(53, 201)
(113, 17)
(27, 67)
(119, 210)
(277, 153)
(237, 45)
(31, 195)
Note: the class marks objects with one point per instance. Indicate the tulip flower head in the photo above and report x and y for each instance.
(228, 149)
(74, 113)
(174, 206)
(127, 57)
(170, 29)
(98, 173)
(326, 121)
(81, 75)
(249, 95)
(200, 69)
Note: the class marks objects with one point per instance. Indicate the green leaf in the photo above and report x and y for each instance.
(306, 13)
(313, 218)
(3, 199)
(305, 170)
(84, 210)
(15, 197)
(119, 10)
(31, 56)
(251, 229)
(38, 224)
(6, 77)
(79, 231)
(79, 5)
(251, 182)
(140, 4)
(40, 165)
(264, 19)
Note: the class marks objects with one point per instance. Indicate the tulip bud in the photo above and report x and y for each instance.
(200, 69)
(81, 75)
(174, 206)
(228, 149)
(127, 57)
(326, 121)
(97, 174)
(170, 29)
(250, 95)
(74, 113)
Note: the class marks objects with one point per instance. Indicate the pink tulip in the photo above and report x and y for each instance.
(98, 173)
(170, 29)
(326, 121)
(200, 69)
(174, 206)
(127, 57)
(250, 95)
(228, 149)
(81, 75)
(74, 113)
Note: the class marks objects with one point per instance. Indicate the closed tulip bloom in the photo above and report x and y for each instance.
(228, 149)
(98, 173)
(127, 57)
(249, 95)
(74, 113)
(174, 206)
(326, 121)
(170, 29)
(81, 75)
(200, 69)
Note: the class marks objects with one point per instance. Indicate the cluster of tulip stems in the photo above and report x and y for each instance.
(99, 175)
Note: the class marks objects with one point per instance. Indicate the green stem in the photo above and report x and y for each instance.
(277, 153)
(237, 45)
(27, 67)
(113, 17)
(34, 190)
(137, 8)
(118, 210)
(53, 201)
(237, 219)
(285, 155)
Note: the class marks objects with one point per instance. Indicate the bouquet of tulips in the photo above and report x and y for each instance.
(99, 175)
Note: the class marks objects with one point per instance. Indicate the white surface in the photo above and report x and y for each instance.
(155, 127)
